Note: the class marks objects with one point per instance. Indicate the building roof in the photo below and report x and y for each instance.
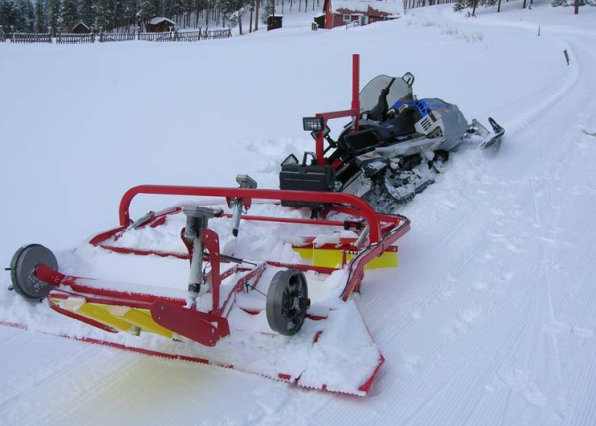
(160, 19)
(368, 7)
(82, 24)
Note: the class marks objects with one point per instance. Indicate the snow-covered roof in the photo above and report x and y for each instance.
(161, 19)
(367, 6)
(82, 24)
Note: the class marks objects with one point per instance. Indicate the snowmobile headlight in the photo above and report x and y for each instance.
(313, 124)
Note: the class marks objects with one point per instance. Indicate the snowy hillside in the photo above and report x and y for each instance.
(490, 318)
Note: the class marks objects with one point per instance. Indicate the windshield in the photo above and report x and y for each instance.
(369, 96)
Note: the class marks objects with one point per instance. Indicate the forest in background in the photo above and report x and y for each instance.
(53, 16)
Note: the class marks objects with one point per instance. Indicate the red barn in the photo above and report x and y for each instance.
(364, 12)
(160, 25)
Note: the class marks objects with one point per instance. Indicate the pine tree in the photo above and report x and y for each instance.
(459, 5)
(18, 14)
(104, 18)
(233, 10)
(69, 13)
(147, 9)
(130, 13)
(53, 15)
(87, 13)
(267, 11)
(178, 11)
(30, 16)
(8, 15)
(41, 23)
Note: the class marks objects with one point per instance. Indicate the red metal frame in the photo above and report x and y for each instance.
(384, 231)
(360, 207)
(353, 112)
(209, 327)
(141, 300)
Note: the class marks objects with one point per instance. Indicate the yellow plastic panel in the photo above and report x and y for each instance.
(332, 258)
(100, 313)
(123, 318)
(142, 319)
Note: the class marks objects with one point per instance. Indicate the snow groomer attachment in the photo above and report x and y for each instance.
(393, 147)
(274, 299)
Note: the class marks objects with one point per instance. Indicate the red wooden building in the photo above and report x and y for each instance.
(364, 12)
(160, 25)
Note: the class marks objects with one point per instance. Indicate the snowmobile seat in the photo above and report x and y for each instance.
(359, 143)
(404, 122)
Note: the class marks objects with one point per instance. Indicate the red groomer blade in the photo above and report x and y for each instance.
(204, 328)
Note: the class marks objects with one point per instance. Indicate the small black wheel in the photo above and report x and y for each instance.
(22, 271)
(287, 302)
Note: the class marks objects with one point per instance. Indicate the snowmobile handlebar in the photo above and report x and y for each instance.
(358, 206)
(390, 84)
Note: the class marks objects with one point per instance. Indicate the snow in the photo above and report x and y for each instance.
(488, 320)
(159, 20)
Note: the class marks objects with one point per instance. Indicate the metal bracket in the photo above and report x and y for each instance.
(246, 182)
(197, 219)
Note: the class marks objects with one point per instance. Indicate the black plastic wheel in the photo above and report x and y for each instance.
(22, 271)
(287, 302)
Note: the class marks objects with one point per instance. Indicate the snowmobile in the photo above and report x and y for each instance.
(393, 147)
(268, 293)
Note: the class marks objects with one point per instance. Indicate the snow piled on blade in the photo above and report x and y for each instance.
(336, 354)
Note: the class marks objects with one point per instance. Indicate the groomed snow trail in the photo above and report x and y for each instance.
(490, 319)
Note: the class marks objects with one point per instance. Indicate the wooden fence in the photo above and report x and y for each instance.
(107, 38)
(31, 38)
(218, 33)
(190, 36)
(167, 36)
(71, 38)
(197, 35)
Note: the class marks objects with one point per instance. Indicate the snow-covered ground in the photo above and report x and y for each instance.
(490, 318)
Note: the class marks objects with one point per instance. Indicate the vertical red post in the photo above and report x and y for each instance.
(356, 89)
(320, 144)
